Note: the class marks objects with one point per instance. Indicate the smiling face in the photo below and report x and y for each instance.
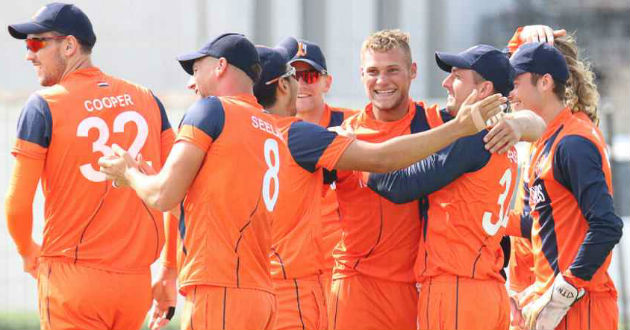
(204, 76)
(459, 84)
(526, 94)
(387, 76)
(310, 97)
(49, 62)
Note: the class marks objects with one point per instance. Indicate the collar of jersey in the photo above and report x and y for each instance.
(560, 119)
(82, 73)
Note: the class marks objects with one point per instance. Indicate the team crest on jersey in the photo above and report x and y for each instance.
(102, 84)
(301, 50)
(512, 155)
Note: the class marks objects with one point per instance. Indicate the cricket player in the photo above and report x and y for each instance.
(93, 233)
(296, 258)
(314, 81)
(573, 224)
(223, 170)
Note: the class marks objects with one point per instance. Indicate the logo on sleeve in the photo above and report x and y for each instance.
(536, 194)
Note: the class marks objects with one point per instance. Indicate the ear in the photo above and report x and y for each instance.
(222, 67)
(414, 70)
(485, 89)
(283, 86)
(70, 46)
(546, 82)
(328, 82)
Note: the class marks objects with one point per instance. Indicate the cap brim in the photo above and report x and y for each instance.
(187, 61)
(20, 31)
(309, 62)
(519, 71)
(446, 61)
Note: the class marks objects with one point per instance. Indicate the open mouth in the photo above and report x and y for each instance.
(385, 92)
(303, 95)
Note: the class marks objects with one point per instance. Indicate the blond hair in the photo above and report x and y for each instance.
(581, 91)
(386, 40)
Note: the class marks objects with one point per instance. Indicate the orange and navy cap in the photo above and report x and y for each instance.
(311, 54)
(234, 47)
(63, 18)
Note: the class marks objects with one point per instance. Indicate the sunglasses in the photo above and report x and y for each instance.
(309, 76)
(35, 44)
(290, 73)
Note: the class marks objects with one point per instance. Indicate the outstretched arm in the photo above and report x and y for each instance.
(523, 125)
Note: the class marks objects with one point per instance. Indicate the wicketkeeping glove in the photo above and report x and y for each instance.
(547, 311)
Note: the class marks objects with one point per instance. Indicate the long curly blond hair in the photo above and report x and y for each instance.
(581, 92)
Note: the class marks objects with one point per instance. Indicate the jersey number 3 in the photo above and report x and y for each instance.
(103, 135)
(492, 228)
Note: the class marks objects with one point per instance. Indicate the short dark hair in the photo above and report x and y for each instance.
(559, 88)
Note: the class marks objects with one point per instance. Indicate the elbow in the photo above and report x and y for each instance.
(162, 202)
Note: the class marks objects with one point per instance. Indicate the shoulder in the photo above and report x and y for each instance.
(206, 114)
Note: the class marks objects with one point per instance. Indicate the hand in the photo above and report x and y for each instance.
(164, 298)
(30, 260)
(473, 114)
(517, 301)
(503, 136)
(144, 166)
(115, 166)
(540, 33)
(547, 311)
(341, 131)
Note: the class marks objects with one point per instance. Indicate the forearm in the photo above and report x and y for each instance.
(19, 201)
(403, 151)
(530, 124)
(152, 189)
(169, 255)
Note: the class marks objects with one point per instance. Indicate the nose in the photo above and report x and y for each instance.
(447, 82)
(30, 56)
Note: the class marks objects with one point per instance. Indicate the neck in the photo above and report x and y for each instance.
(551, 109)
(312, 115)
(391, 114)
(79, 63)
(279, 110)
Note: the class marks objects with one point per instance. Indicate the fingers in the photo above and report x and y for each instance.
(472, 97)
(559, 33)
(549, 35)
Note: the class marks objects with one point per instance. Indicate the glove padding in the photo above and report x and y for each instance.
(547, 311)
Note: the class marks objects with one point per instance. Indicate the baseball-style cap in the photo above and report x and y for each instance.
(234, 47)
(489, 62)
(310, 53)
(540, 58)
(63, 18)
(274, 64)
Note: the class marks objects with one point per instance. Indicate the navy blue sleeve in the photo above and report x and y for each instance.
(307, 143)
(434, 172)
(578, 167)
(35, 122)
(207, 115)
(165, 123)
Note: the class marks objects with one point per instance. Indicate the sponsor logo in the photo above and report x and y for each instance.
(536, 194)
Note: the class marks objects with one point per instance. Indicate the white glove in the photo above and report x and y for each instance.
(546, 312)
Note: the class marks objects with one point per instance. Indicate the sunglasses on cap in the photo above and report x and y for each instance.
(290, 73)
(309, 76)
(35, 44)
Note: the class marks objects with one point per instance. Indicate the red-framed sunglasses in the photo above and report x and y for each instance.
(308, 76)
(35, 44)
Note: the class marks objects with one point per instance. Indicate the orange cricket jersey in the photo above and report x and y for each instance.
(572, 235)
(296, 228)
(464, 221)
(71, 125)
(331, 225)
(521, 257)
(226, 217)
(380, 238)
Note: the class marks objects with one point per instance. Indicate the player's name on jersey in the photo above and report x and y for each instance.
(263, 125)
(108, 102)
